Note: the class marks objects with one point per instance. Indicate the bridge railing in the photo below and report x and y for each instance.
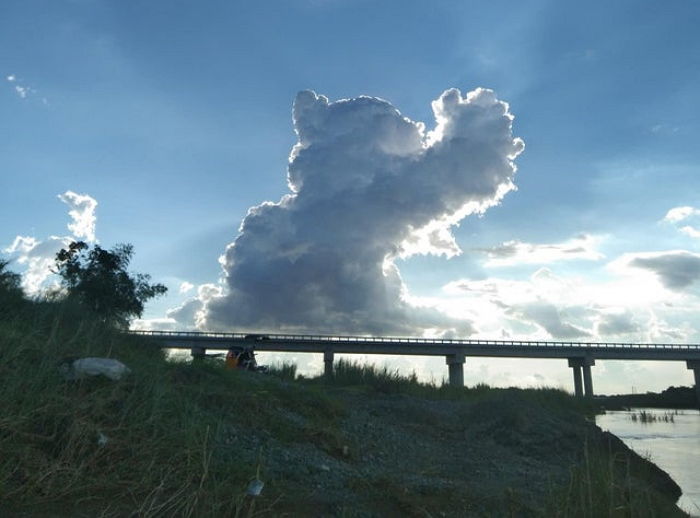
(330, 339)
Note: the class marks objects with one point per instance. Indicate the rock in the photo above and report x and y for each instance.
(86, 367)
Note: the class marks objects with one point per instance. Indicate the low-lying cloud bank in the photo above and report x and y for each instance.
(367, 185)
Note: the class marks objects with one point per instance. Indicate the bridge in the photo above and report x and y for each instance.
(581, 356)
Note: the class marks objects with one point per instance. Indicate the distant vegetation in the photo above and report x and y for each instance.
(672, 397)
(182, 438)
(645, 417)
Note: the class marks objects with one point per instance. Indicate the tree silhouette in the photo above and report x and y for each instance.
(9, 280)
(11, 295)
(99, 279)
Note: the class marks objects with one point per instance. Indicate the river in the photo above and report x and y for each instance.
(671, 441)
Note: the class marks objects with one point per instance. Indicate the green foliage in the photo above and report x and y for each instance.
(285, 370)
(99, 279)
(382, 379)
(9, 281)
(11, 295)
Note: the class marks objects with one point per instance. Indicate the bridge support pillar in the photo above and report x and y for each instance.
(694, 365)
(587, 381)
(328, 364)
(455, 364)
(577, 364)
(578, 384)
(198, 353)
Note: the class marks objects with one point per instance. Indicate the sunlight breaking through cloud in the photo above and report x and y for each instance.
(367, 185)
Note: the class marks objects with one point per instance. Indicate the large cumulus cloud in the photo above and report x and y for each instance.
(367, 185)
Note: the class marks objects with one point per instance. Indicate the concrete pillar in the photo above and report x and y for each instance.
(694, 365)
(587, 381)
(328, 363)
(577, 364)
(455, 364)
(578, 386)
(198, 353)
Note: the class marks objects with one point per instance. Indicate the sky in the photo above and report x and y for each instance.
(460, 169)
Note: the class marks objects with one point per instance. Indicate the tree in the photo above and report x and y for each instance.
(99, 279)
(9, 281)
(11, 294)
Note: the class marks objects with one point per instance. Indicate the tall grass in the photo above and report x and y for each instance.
(157, 443)
(382, 379)
(607, 485)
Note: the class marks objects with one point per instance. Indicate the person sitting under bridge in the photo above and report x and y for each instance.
(241, 358)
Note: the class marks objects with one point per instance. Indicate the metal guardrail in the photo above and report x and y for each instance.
(343, 339)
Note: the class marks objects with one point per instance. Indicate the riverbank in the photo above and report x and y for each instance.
(187, 439)
(670, 438)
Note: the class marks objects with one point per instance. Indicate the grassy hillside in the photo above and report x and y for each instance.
(185, 439)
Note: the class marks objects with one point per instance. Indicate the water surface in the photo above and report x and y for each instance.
(673, 446)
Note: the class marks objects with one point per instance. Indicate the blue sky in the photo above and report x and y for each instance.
(176, 117)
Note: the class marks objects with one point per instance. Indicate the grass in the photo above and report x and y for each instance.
(607, 485)
(383, 380)
(168, 440)
(154, 443)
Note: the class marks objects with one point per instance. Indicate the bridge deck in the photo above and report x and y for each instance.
(426, 346)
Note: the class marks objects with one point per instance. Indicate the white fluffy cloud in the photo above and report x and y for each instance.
(686, 214)
(190, 314)
(82, 212)
(677, 214)
(186, 287)
(38, 256)
(515, 252)
(367, 185)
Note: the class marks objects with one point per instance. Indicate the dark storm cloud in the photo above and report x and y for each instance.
(677, 269)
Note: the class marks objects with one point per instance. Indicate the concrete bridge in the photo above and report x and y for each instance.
(581, 356)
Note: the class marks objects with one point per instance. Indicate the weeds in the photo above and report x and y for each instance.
(645, 417)
(604, 485)
(152, 444)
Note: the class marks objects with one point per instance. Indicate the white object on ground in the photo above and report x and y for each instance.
(255, 487)
(84, 367)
